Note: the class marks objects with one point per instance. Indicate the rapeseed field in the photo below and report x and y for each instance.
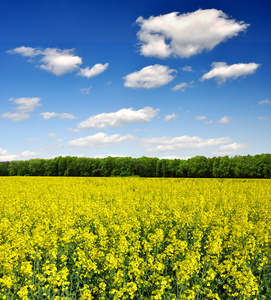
(134, 238)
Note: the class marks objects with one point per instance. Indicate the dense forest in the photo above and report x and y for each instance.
(257, 166)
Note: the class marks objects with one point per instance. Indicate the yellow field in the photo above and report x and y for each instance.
(134, 238)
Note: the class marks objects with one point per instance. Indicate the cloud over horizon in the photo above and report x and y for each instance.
(100, 139)
(168, 143)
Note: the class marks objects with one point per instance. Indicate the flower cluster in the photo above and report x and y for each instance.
(134, 238)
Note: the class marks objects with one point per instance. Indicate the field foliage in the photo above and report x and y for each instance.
(134, 238)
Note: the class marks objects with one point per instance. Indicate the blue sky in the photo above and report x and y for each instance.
(157, 78)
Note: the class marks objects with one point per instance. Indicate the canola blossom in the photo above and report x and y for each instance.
(134, 238)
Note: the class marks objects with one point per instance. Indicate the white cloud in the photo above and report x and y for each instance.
(224, 120)
(187, 34)
(49, 115)
(25, 155)
(94, 71)
(200, 118)
(149, 77)
(230, 149)
(74, 129)
(15, 116)
(221, 71)
(170, 117)
(187, 69)
(181, 86)
(100, 139)
(263, 118)
(85, 90)
(32, 140)
(174, 157)
(169, 143)
(119, 118)
(24, 106)
(25, 51)
(266, 101)
(57, 61)
(52, 135)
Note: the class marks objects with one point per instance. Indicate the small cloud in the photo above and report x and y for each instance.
(266, 101)
(85, 91)
(74, 130)
(52, 135)
(94, 71)
(149, 77)
(208, 122)
(221, 71)
(119, 118)
(231, 149)
(168, 143)
(263, 118)
(25, 105)
(183, 86)
(100, 139)
(170, 117)
(224, 120)
(175, 157)
(32, 140)
(187, 69)
(25, 51)
(200, 118)
(58, 61)
(49, 115)
(25, 155)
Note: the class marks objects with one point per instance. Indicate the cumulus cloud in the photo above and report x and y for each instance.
(49, 115)
(263, 118)
(187, 69)
(52, 135)
(266, 101)
(168, 143)
(25, 105)
(224, 120)
(94, 71)
(74, 129)
(230, 149)
(187, 34)
(149, 77)
(86, 91)
(170, 117)
(58, 61)
(25, 155)
(182, 86)
(100, 139)
(221, 71)
(119, 118)
(200, 118)
(25, 51)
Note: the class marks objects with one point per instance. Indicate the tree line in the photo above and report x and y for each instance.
(257, 166)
